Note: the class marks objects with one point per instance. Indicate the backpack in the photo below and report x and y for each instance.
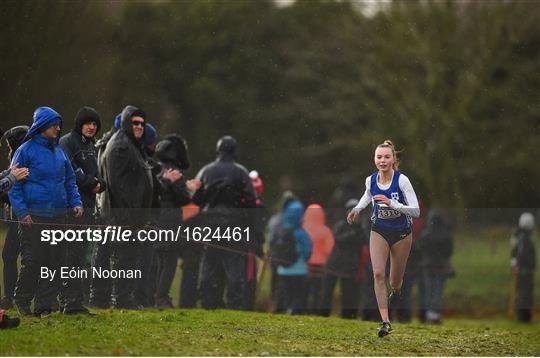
(284, 248)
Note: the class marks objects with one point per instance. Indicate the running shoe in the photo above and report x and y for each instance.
(385, 329)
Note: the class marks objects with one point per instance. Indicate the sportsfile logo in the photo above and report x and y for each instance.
(119, 234)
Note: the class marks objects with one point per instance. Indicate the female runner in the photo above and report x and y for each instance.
(394, 203)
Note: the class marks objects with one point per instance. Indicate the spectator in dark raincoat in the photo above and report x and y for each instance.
(226, 197)
(171, 153)
(128, 198)
(80, 149)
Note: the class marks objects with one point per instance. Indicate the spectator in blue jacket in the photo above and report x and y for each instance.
(41, 202)
(292, 280)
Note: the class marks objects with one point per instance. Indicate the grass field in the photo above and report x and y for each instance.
(480, 290)
(222, 332)
(481, 287)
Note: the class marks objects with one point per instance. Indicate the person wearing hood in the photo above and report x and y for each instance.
(346, 264)
(128, 197)
(523, 264)
(100, 289)
(226, 195)
(174, 192)
(273, 232)
(292, 277)
(40, 202)
(10, 252)
(322, 239)
(80, 149)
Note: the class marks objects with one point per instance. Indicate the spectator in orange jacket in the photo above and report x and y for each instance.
(322, 239)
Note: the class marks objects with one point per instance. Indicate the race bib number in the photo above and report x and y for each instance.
(387, 213)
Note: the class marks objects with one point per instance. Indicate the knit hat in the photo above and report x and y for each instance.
(86, 115)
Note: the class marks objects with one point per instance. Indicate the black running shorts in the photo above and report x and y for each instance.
(391, 236)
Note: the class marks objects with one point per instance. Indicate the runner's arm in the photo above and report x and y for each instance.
(411, 208)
